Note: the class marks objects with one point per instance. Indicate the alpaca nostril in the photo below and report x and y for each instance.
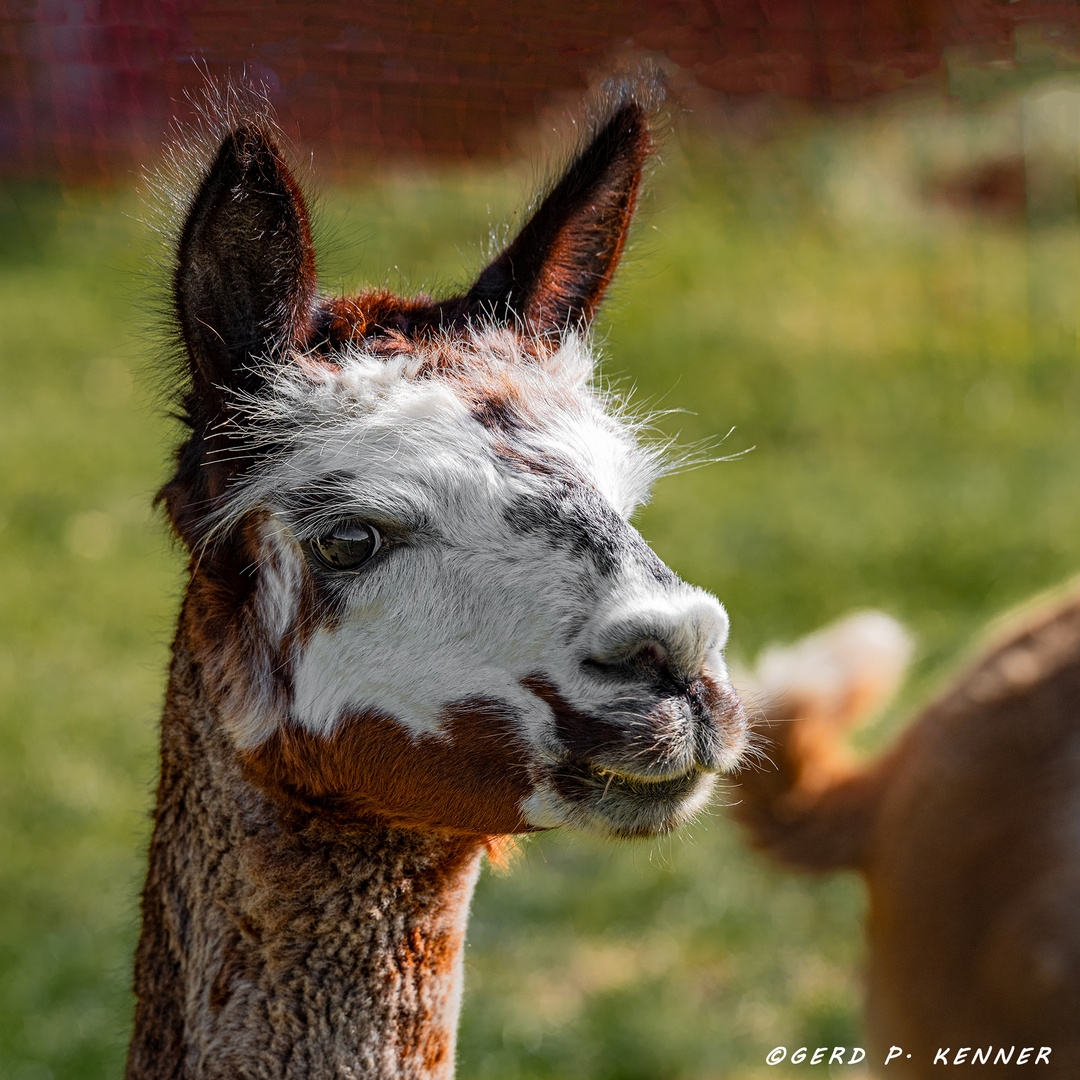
(646, 658)
(651, 658)
(669, 640)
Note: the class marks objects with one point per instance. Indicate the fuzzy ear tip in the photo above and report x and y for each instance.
(642, 90)
(251, 141)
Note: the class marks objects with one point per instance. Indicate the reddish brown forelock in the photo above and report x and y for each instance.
(470, 779)
(383, 323)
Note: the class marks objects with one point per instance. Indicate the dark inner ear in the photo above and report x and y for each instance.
(244, 288)
(555, 273)
(245, 274)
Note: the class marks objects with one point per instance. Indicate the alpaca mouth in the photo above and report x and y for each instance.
(642, 768)
(636, 785)
(584, 780)
(600, 800)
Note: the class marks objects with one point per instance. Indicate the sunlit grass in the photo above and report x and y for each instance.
(915, 440)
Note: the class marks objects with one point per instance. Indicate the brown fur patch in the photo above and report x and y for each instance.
(260, 925)
(497, 411)
(378, 317)
(244, 661)
(528, 463)
(585, 737)
(471, 780)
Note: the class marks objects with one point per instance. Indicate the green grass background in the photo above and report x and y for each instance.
(907, 376)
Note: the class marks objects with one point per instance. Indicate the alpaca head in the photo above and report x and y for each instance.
(416, 596)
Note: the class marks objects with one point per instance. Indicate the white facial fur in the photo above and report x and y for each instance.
(508, 554)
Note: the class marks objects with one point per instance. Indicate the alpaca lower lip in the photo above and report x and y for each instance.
(648, 784)
(601, 801)
(584, 780)
(608, 803)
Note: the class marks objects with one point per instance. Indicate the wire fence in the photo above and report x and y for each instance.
(87, 87)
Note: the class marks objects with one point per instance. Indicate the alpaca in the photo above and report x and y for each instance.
(417, 621)
(966, 833)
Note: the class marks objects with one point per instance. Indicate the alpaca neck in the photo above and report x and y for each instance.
(277, 945)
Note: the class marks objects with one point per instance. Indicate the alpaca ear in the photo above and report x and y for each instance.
(244, 289)
(553, 276)
(245, 274)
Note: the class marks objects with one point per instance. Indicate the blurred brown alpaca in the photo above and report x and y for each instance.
(966, 832)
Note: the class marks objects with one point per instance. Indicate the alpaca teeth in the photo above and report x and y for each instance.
(610, 774)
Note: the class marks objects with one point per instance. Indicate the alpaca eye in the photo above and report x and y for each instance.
(348, 547)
